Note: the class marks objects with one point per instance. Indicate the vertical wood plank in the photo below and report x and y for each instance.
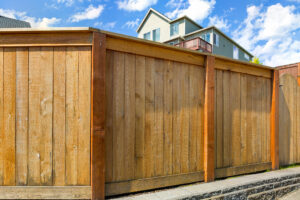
(268, 121)
(59, 116)
(149, 117)
(21, 115)
(84, 108)
(200, 141)
(168, 122)
(9, 114)
(1, 116)
(71, 115)
(158, 117)
(118, 116)
(249, 113)
(235, 96)
(109, 116)
(129, 111)
(195, 122)
(274, 121)
(219, 118)
(46, 100)
(177, 103)
(140, 117)
(34, 117)
(227, 134)
(209, 165)
(98, 116)
(244, 147)
(185, 114)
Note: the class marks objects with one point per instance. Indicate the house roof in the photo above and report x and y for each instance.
(151, 10)
(213, 27)
(6, 22)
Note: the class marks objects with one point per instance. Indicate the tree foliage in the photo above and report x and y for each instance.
(256, 60)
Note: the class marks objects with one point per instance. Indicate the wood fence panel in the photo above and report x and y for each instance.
(45, 123)
(156, 128)
(289, 116)
(242, 119)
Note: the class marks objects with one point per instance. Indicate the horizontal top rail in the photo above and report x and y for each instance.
(82, 36)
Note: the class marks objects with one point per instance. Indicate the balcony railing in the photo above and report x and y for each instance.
(196, 44)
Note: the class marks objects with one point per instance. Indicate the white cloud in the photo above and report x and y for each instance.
(35, 22)
(270, 34)
(89, 13)
(41, 22)
(131, 24)
(197, 10)
(106, 26)
(66, 2)
(219, 23)
(135, 5)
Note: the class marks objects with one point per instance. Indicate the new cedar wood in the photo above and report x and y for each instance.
(102, 49)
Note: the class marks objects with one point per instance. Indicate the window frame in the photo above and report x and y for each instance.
(146, 34)
(246, 56)
(154, 34)
(216, 39)
(237, 52)
(176, 24)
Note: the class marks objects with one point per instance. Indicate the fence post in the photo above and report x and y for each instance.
(209, 149)
(275, 121)
(299, 74)
(98, 116)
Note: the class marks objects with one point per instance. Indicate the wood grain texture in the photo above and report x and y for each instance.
(45, 39)
(84, 107)
(152, 183)
(46, 108)
(45, 192)
(140, 108)
(209, 160)
(1, 115)
(98, 104)
(34, 117)
(72, 127)
(59, 116)
(9, 116)
(21, 115)
(274, 121)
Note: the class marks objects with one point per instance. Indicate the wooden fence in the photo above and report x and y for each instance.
(87, 114)
(289, 114)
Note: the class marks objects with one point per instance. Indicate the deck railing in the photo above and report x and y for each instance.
(196, 44)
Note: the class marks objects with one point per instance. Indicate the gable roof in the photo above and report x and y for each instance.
(223, 34)
(151, 10)
(6, 22)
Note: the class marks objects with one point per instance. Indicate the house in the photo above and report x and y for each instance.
(185, 32)
(6, 22)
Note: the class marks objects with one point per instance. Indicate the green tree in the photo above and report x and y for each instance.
(256, 60)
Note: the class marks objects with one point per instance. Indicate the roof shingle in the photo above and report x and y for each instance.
(6, 22)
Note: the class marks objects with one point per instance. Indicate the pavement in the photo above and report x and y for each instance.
(292, 196)
(186, 191)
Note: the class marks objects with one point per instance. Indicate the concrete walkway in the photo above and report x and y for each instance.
(292, 196)
(204, 188)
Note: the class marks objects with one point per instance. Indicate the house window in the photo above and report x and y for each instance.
(147, 36)
(174, 29)
(216, 39)
(156, 35)
(235, 52)
(246, 56)
(207, 37)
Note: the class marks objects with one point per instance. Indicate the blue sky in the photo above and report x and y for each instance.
(268, 29)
